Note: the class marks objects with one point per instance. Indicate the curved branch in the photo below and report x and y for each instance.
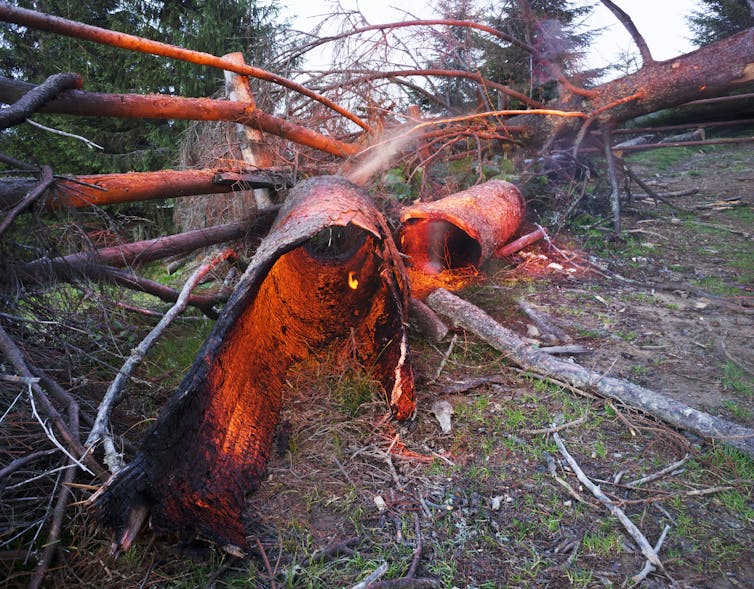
(33, 100)
(366, 77)
(63, 26)
(629, 25)
(416, 23)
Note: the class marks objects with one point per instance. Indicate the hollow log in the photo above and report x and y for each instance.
(452, 237)
(327, 272)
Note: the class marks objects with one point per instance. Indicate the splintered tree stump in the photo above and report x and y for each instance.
(328, 271)
(446, 241)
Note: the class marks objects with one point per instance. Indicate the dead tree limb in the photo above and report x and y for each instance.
(148, 250)
(612, 173)
(31, 102)
(159, 106)
(69, 28)
(628, 24)
(471, 317)
(105, 189)
(54, 269)
(100, 431)
(34, 194)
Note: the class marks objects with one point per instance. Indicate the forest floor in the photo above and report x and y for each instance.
(486, 505)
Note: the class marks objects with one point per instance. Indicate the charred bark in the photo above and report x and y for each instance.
(327, 271)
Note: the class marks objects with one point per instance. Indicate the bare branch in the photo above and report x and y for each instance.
(62, 26)
(34, 194)
(629, 25)
(36, 98)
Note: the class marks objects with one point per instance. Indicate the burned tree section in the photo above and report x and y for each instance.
(327, 272)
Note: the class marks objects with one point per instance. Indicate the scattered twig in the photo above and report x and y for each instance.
(39, 189)
(372, 577)
(99, 431)
(88, 142)
(660, 473)
(551, 468)
(648, 566)
(555, 428)
(646, 548)
(446, 356)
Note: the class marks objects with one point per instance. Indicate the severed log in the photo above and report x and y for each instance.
(106, 189)
(30, 102)
(327, 272)
(472, 318)
(455, 235)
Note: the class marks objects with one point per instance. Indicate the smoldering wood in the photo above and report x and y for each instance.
(328, 271)
(680, 415)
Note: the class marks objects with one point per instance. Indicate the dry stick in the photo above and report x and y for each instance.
(660, 473)
(33, 100)
(39, 189)
(551, 468)
(646, 548)
(680, 415)
(607, 133)
(53, 536)
(427, 321)
(648, 566)
(99, 431)
(69, 431)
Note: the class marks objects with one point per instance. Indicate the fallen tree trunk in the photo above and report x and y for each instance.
(472, 318)
(327, 272)
(107, 189)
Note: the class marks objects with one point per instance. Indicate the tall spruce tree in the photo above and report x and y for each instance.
(213, 26)
(552, 28)
(718, 19)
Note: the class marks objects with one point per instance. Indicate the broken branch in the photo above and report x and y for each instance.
(680, 415)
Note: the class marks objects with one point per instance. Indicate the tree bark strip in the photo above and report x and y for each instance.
(472, 318)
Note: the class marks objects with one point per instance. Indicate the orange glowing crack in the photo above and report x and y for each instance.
(353, 282)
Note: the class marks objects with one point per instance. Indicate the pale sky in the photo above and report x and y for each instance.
(661, 22)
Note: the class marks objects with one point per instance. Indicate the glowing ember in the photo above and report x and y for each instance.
(353, 282)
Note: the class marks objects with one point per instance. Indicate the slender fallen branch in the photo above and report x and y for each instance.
(30, 102)
(680, 415)
(56, 526)
(39, 189)
(648, 566)
(99, 431)
(62, 26)
(660, 473)
(646, 548)
(629, 25)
